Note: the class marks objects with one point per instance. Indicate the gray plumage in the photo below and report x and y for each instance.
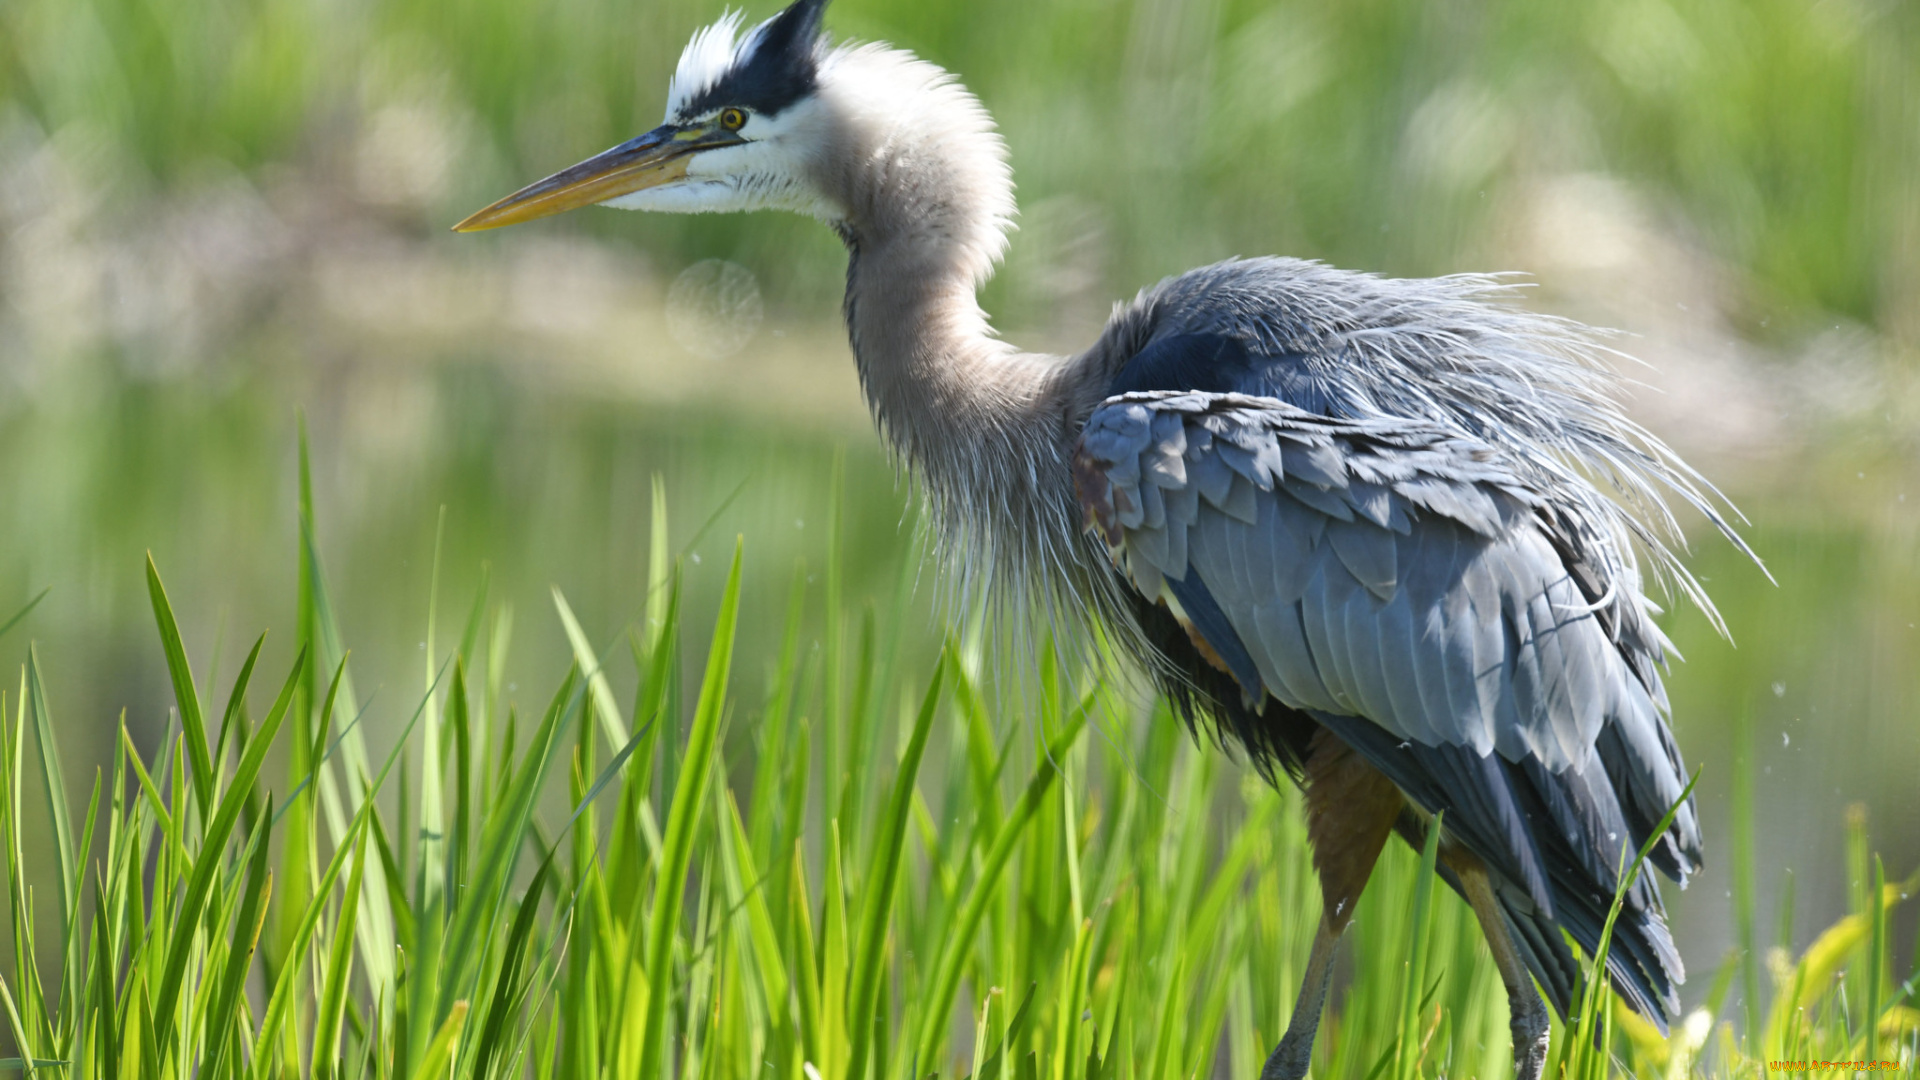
(1334, 514)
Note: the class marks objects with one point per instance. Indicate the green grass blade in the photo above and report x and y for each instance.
(800, 944)
(476, 616)
(502, 838)
(1067, 1059)
(73, 989)
(322, 751)
(713, 516)
(1587, 1060)
(510, 983)
(221, 1022)
(776, 723)
(584, 655)
(1004, 1043)
(284, 988)
(320, 634)
(959, 939)
(1407, 1046)
(608, 774)
(105, 970)
(437, 1063)
(1166, 1035)
(20, 615)
(236, 703)
(1876, 959)
(66, 859)
(659, 564)
(683, 816)
(151, 792)
(882, 877)
(460, 720)
(192, 720)
(655, 694)
(16, 1025)
(746, 897)
(832, 1041)
(332, 1005)
(430, 838)
(212, 850)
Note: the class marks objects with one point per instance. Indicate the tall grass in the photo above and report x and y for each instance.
(902, 875)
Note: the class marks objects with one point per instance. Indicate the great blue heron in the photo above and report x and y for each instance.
(1353, 521)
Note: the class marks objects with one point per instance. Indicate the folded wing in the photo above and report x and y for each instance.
(1398, 583)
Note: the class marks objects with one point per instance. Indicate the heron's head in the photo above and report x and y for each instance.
(744, 130)
(774, 118)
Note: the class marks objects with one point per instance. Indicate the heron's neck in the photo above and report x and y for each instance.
(939, 382)
(925, 196)
(984, 427)
(926, 199)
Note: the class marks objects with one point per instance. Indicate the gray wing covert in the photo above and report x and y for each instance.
(1371, 568)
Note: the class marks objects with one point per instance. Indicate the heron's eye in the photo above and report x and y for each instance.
(733, 119)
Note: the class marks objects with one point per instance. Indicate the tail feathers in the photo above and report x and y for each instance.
(1541, 948)
(1553, 844)
(1635, 964)
(1642, 964)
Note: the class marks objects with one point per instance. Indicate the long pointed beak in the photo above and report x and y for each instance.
(658, 157)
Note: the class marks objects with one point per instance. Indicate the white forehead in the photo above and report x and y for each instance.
(708, 56)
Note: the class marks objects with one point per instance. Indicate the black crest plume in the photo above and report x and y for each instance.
(778, 66)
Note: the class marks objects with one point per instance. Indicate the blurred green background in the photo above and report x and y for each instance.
(219, 215)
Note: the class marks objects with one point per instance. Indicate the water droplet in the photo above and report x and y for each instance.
(1786, 739)
(1779, 689)
(696, 558)
(714, 309)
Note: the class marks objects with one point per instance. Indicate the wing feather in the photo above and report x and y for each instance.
(1328, 649)
(1243, 503)
(1321, 499)
(1408, 691)
(1367, 551)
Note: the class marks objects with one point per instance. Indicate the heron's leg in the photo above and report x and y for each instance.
(1290, 1061)
(1529, 1020)
(1351, 809)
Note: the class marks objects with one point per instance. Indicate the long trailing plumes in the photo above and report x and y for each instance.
(1457, 351)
